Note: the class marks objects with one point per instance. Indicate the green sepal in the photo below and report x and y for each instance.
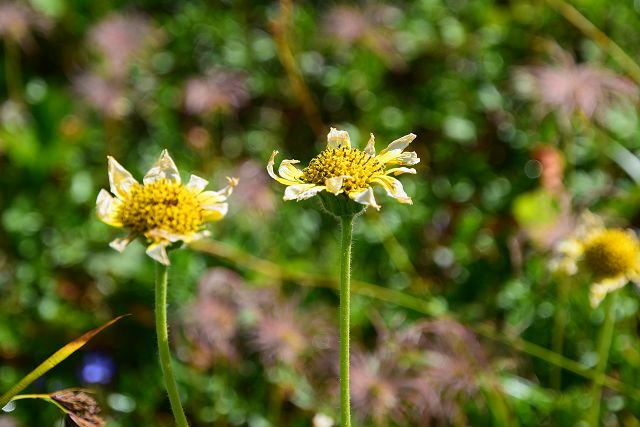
(340, 205)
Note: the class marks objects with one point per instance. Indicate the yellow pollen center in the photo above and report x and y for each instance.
(164, 205)
(611, 253)
(333, 162)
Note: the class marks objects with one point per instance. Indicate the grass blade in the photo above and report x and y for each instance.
(53, 360)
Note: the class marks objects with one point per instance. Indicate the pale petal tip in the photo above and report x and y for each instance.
(158, 252)
(338, 138)
(233, 181)
(120, 244)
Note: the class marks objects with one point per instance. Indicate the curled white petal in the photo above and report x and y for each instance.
(334, 185)
(107, 208)
(599, 290)
(197, 236)
(288, 171)
(164, 168)
(207, 198)
(158, 251)
(162, 235)
(338, 138)
(370, 149)
(302, 191)
(197, 184)
(400, 171)
(120, 179)
(394, 149)
(393, 187)
(215, 211)
(365, 197)
(408, 158)
(121, 243)
(272, 174)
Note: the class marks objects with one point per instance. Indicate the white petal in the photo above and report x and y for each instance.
(207, 198)
(197, 184)
(198, 236)
(302, 191)
(158, 252)
(600, 289)
(288, 171)
(120, 179)
(164, 168)
(393, 188)
(338, 138)
(215, 211)
(276, 177)
(365, 197)
(161, 235)
(571, 248)
(394, 149)
(107, 208)
(121, 243)
(400, 171)
(409, 158)
(370, 149)
(334, 185)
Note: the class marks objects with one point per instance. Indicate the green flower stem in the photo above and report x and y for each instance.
(345, 313)
(559, 325)
(604, 345)
(45, 397)
(163, 345)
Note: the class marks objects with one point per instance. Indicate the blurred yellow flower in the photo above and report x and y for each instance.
(341, 169)
(161, 209)
(610, 255)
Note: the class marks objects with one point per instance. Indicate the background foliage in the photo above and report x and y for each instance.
(509, 156)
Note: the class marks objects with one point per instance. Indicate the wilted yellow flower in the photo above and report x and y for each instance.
(342, 169)
(161, 209)
(610, 255)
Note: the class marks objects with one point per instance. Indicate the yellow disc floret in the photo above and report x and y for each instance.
(163, 205)
(611, 253)
(359, 166)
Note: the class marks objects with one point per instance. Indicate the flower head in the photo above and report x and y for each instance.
(610, 255)
(161, 209)
(212, 320)
(81, 407)
(373, 26)
(569, 88)
(18, 22)
(107, 97)
(218, 90)
(120, 38)
(346, 171)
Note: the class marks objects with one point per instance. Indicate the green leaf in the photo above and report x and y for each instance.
(53, 360)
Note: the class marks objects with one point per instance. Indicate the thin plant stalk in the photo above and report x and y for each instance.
(163, 345)
(604, 345)
(559, 326)
(345, 313)
(45, 397)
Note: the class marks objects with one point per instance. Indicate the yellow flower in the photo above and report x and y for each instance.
(161, 209)
(342, 169)
(610, 255)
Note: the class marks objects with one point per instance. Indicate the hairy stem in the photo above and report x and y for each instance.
(163, 345)
(345, 313)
